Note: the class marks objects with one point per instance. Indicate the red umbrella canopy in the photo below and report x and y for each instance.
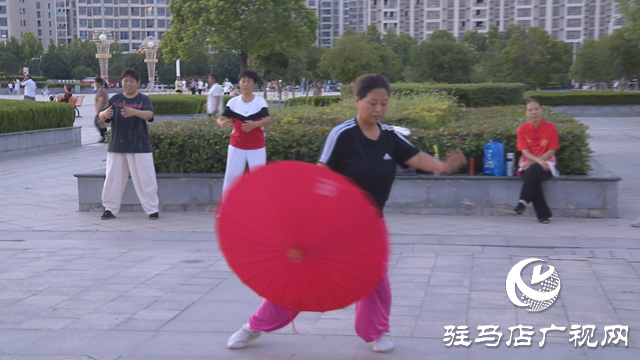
(302, 236)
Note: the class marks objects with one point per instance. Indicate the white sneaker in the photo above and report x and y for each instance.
(242, 337)
(383, 343)
(636, 223)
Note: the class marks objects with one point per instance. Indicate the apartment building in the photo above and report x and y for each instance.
(565, 20)
(130, 20)
(335, 17)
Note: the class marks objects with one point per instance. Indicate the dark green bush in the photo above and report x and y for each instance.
(470, 95)
(199, 146)
(181, 103)
(20, 115)
(41, 84)
(318, 101)
(579, 97)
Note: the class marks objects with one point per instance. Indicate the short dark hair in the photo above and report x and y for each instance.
(99, 80)
(132, 73)
(248, 73)
(533, 100)
(214, 76)
(28, 76)
(365, 83)
(68, 87)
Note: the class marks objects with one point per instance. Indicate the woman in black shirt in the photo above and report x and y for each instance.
(366, 151)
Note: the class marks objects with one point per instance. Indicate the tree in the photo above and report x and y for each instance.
(248, 27)
(53, 66)
(592, 62)
(226, 65)
(8, 63)
(80, 53)
(372, 35)
(31, 47)
(624, 52)
(81, 72)
(443, 59)
(14, 48)
(476, 40)
(630, 10)
(532, 57)
(312, 62)
(351, 57)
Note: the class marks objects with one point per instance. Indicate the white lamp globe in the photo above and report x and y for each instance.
(103, 37)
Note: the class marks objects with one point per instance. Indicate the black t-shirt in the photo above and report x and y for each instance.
(129, 135)
(370, 163)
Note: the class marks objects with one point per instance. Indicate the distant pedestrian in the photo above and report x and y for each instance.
(193, 86)
(228, 86)
(16, 86)
(214, 99)
(129, 149)
(538, 141)
(200, 86)
(102, 97)
(29, 88)
(178, 85)
(10, 87)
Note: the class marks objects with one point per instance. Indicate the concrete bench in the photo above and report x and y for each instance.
(592, 196)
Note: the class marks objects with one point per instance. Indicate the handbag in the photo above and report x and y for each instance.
(493, 163)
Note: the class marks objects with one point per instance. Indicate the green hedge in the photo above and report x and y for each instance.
(60, 85)
(181, 103)
(580, 97)
(21, 115)
(199, 146)
(319, 101)
(470, 95)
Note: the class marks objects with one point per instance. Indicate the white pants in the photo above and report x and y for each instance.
(143, 176)
(237, 159)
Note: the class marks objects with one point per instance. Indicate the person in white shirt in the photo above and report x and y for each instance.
(228, 86)
(214, 99)
(29, 88)
(16, 86)
(200, 86)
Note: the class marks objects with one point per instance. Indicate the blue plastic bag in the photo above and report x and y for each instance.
(494, 159)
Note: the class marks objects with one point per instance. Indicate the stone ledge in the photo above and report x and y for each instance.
(593, 196)
(25, 142)
(598, 110)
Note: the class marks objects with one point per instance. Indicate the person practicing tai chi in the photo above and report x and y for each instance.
(129, 149)
(538, 142)
(245, 114)
(365, 151)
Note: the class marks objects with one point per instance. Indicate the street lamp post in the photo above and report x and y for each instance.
(150, 47)
(611, 23)
(103, 39)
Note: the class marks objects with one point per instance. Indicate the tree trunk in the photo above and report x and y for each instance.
(292, 87)
(244, 60)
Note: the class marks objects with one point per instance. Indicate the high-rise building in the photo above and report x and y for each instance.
(566, 20)
(130, 20)
(50, 20)
(334, 17)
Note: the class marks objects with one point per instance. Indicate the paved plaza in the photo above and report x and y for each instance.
(75, 287)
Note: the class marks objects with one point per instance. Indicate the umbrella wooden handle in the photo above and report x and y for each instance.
(294, 255)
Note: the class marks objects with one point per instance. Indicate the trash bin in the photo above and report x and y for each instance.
(77, 89)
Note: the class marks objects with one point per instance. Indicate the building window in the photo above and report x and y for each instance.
(542, 23)
(135, 11)
(124, 35)
(574, 10)
(84, 35)
(135, 23)
(124, 11)
(479, 24)
(555, 23)
(161, 23)
(108, 11)
(3, 10)
(96, 1)
(149, 11)
(125, 47)
(97, 23)
(524, 23)
(160, 11)
(572, 23)
(97, 11)
(124, 23)
(82, 23)
(556, 11)
(573, 35)
(108, 23)
(150, 23)
(524, 12)
(3, 21)
(4, 34)
(433, 26)
(135, 35)
(433, 14)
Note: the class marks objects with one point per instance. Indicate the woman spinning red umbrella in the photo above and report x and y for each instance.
(367, 152)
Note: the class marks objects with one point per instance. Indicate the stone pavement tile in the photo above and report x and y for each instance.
(440, 290)
(504, 318)
(14, 341)
(346, 313)
(488, 299)
(209, 316)
(451, 307)
(550, 351)
(449, 279)
(140, 325)
(155, 314)
(125, 305)
(98, 321)
(627, 315)
(93, 343)
(523, 251)
(178, 305)
(231, 290)
(56, 313)
(618, 353)
(483, 240)
(45, 324)
(626, 305)
(463, 249)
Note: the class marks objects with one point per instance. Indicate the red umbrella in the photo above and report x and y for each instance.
(302, 236)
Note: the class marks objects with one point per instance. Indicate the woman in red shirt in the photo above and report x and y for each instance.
(538, 141)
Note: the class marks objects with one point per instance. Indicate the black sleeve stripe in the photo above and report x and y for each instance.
(264, 112)
(235, 115)
(332, 138)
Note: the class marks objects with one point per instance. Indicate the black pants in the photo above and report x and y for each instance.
(531, 191)
(102, 128)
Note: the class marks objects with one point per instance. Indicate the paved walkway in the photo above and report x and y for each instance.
(75, 287)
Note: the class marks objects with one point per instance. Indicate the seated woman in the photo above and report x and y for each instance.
(538, 141)
(66, 96)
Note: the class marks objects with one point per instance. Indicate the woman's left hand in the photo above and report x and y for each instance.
(128, 112)
(454, 161)
(249, 125)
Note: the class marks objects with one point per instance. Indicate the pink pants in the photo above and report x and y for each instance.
(372, 312)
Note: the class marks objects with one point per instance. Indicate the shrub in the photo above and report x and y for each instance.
(314, 100)
(199, 146)
(181, 103)
(470, 95)
(578, 97)
(16, 116)
(51, 85)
